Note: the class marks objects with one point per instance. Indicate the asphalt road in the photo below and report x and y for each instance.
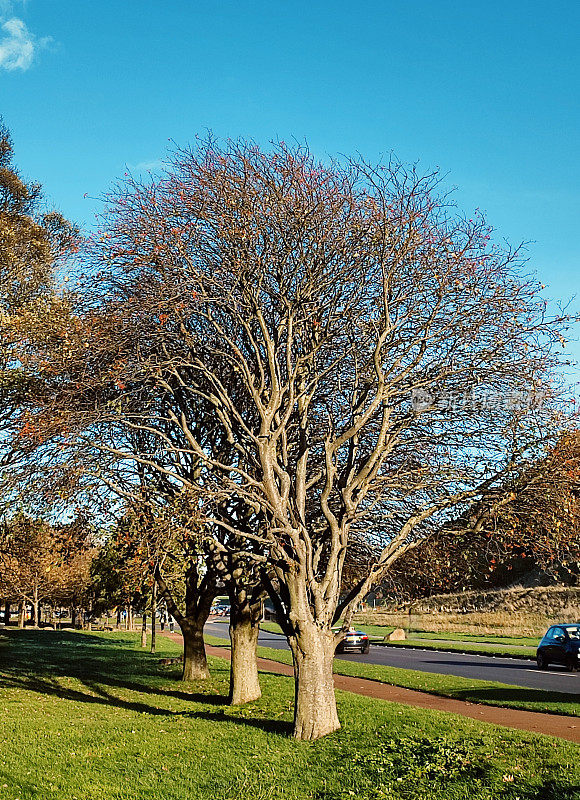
(512, 671)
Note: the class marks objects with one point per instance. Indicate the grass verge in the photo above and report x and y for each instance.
(465, 647)
(89, 716)
(474, 691)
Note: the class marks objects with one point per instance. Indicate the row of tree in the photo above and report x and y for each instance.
(279, 376)
(42, 565)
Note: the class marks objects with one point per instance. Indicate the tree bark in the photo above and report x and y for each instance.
(194, 658)
(245, 618)
(21, 614)
(244, 679)
(315, 713)
(144, 630)
(199, 594)
(153, 616)
(7, 614)
(36, 609)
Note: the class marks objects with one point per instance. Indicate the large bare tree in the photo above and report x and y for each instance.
(371, 362)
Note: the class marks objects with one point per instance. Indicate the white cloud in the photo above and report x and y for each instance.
(7, 6)
(18, 45)
(146, 166)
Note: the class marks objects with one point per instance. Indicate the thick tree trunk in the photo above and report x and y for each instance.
(144, 630)
(244, 680)
(7, 614)
(21, 614)
(198, 599)
(315, 713)
(194, 658)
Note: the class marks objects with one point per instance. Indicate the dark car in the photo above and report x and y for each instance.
(560, 645)
(354, 640)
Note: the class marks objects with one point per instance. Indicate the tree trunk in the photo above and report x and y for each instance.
(153, 616)
(315, 713)
(7, 614)
(198, 599)
(21, 614)
(144, 630)
(36, 609)
(244, 629)
(194, 658)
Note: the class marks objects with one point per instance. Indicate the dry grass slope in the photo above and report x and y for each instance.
(506, 612)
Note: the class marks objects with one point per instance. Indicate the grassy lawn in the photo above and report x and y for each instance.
(91, 716)
(475, 691)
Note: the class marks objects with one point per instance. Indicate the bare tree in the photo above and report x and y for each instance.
(371, 361)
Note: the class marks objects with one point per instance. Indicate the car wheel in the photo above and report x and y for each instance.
(365, 648)
(542, 661)
(571, 664)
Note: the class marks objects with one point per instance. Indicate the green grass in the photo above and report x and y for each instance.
(90, 716)
(523, 647)
(521, 641)
(466, 647)
(472, 690)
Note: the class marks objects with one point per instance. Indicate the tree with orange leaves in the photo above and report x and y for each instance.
(40, 563)
(537, 529)
(32, 247)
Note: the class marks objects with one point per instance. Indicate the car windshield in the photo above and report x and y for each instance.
(573, 631)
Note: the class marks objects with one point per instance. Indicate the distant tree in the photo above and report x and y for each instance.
(172, 537)
(32, 245)
(536, 527)
(42, 564)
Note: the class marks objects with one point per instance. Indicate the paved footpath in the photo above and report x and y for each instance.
(551, 724)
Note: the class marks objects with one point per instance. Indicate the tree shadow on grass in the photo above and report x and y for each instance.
(506, 663)
(277, 726)
(548, 790)
(97, 693)
(522, 695)
(34, 666)
(6, 779)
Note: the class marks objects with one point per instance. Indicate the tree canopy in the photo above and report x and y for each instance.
(325, 355)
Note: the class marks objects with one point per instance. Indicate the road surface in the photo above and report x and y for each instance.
(512, 671)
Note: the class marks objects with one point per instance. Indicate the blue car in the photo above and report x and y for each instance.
(560, 645)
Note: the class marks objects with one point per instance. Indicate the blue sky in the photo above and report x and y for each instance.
(489, 92)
